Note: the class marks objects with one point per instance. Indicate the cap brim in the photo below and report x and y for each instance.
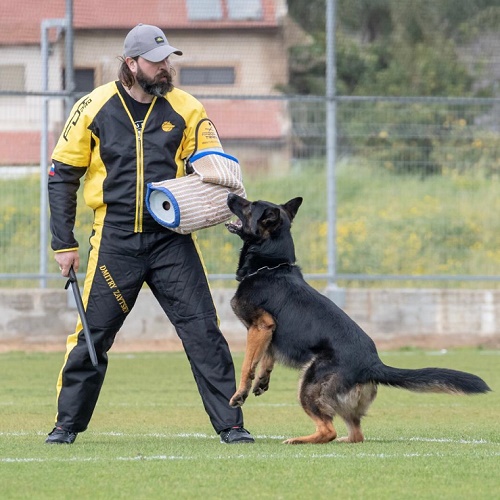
(160, 53)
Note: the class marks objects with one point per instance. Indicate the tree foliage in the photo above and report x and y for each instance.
(390, 47)
(398, 48)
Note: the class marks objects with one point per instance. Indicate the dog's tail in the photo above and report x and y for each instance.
(429, 380)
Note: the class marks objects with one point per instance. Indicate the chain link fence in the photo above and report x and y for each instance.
(416, 179)
(416, 186)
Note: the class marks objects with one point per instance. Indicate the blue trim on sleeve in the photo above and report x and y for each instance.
(175, 205)
(206, 152)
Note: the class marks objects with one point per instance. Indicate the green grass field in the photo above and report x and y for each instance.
(150, 437)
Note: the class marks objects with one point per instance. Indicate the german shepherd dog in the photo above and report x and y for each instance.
(290, 322)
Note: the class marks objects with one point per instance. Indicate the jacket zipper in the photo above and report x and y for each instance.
(139, 203)
(139, 183)
(139, 186)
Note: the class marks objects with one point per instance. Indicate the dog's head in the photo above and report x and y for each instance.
(260, 220)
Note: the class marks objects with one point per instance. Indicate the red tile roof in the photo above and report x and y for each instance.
(20, 22)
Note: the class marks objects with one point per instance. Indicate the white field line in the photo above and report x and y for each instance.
(242, 456)
(201, 435)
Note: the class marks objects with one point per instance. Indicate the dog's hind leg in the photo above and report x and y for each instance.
(312, 389)
(259, 336)
(352, 406)
(325, 431)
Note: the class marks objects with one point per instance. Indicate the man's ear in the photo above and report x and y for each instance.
(131, 63)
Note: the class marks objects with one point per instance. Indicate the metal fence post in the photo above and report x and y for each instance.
(44, 46)
(331, 142)
(67, 25)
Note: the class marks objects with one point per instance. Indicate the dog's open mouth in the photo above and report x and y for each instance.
(234, 226)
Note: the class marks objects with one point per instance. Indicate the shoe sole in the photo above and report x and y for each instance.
(241, 441)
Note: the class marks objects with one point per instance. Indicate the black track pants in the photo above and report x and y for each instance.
(119, 264)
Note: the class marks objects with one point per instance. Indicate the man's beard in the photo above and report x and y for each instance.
(156, 86)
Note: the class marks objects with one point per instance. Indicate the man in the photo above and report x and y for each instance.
(122, 136)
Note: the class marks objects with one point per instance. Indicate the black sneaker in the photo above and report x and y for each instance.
(235, 435)
(60, 436)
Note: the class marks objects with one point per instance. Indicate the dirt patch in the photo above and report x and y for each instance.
(422, 342)
(128, 346)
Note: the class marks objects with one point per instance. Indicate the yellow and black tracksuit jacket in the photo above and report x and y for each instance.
(118, 157)
(101, 140)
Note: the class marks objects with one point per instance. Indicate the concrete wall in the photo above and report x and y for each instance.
(41, 319)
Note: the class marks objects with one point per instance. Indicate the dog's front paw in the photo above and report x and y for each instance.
(238, 399)
(261, 387)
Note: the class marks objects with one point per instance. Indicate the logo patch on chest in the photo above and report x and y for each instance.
(167, 126)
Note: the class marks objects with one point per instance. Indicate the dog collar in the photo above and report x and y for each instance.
(266, 268)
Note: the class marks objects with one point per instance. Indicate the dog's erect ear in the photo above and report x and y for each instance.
(264, 218)
(292, 206)
(270, 217)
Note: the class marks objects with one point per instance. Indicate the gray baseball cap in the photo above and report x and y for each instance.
(148, 42)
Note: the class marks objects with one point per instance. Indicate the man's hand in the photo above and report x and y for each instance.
(66, 260)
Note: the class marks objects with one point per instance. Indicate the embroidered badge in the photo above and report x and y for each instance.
(167, 126)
